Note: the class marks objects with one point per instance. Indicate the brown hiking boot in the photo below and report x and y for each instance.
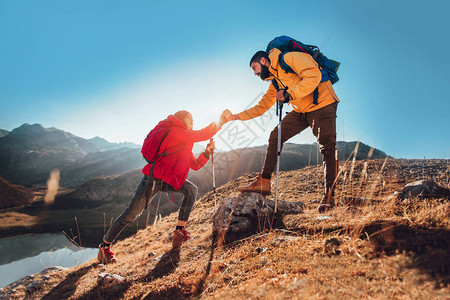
(105, 256)
(179, 237)
(260, 185)
(326, 203)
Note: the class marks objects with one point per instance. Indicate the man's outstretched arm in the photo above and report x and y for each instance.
(266, 102)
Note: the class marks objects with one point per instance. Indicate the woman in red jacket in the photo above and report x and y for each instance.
(167, 174)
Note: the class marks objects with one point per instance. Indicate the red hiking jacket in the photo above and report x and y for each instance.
(174, 168)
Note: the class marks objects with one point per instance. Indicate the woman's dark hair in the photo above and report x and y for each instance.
(258, 55)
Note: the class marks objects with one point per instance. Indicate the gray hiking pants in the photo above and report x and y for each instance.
(146, 190)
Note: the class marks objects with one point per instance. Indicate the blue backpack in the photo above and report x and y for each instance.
(327, 67)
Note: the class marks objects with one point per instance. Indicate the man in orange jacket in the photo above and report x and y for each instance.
(321, 117)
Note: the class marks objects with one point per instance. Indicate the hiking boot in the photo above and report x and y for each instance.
(326, 203)
(105, 256)
(260, 185)
(179, 237)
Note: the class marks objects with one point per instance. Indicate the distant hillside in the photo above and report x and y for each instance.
(3, 132)
(13, 195)
(104, 145)
(232, 164)
(30, 152)
(228, 166)
(113, 162)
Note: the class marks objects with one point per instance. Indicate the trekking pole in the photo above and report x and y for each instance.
(214, 177)
(280, 117)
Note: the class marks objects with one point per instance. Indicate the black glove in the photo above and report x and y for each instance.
(287, 96)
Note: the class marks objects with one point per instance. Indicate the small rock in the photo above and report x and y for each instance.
(314, 201)
(300, 283)
(53, 270)
(264, 260)
(33, 286)
(107, 278)
(321, 218)
(8, 294)
(331, 246)
(261, 249)
(157, 258)
(283, 239)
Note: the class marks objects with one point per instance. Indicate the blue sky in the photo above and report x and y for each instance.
(115, 68)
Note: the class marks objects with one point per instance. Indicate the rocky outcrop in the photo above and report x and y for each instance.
(248, 214)
(109, 279)
(29, 284)
(423, 189)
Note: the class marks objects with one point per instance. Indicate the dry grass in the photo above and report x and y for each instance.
(10, 219)
(379, 249)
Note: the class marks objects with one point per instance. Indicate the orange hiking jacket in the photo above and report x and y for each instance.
(301, 85)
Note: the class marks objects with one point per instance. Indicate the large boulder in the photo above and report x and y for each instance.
(423, 189)
(248, 214)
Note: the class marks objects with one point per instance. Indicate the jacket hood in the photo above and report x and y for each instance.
(174, 121)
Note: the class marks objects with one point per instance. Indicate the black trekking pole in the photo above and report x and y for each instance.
(213, 176)
(280, 117)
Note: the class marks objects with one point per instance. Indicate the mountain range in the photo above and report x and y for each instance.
(100, 173)
(29, 152)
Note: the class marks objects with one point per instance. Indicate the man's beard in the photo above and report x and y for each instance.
(265, 73)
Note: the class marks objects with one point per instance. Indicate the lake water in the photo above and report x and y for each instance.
(30, 254)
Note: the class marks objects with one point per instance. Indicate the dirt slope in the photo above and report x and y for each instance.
(383, 249)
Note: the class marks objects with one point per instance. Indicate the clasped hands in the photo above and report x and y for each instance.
(227, 116)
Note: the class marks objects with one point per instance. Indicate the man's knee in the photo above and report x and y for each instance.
(273, 135)
(327, 143)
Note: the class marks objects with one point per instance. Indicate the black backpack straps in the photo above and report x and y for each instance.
(283, 64)
(316, 96)
(288, 69)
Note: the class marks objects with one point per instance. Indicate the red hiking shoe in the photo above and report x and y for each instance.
(105, 256)
(179, 237)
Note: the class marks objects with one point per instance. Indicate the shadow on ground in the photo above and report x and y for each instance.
(166, 265)
(66, 288)
(428, 247)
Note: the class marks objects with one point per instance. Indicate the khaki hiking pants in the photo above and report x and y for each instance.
(323, 124)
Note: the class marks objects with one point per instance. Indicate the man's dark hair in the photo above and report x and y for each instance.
(258, 55)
